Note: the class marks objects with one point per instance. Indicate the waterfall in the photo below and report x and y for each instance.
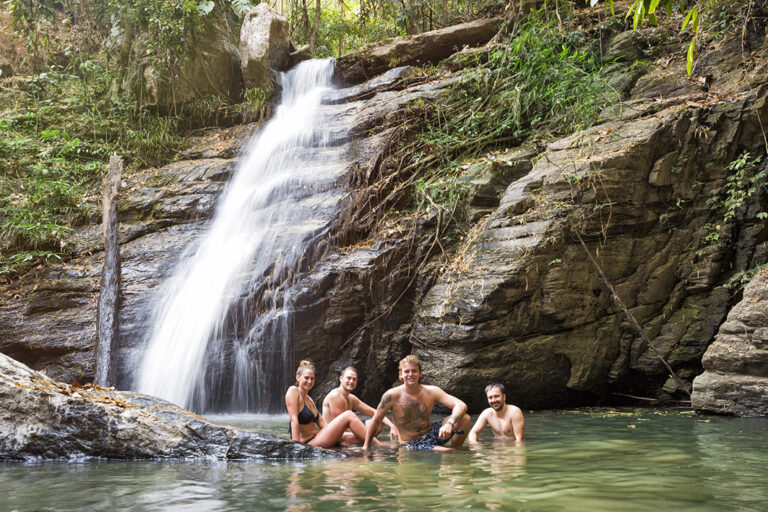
(219, 335)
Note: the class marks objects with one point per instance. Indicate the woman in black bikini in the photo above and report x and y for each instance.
(307, 426)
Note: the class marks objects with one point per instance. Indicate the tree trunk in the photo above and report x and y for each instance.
(305, 15)
(123, 58)
(313, 35)
(106, 324)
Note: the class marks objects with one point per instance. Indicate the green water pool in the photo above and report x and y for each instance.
(591, 460)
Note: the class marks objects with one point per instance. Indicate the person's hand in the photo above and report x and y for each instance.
(393, 435)
(445, 431)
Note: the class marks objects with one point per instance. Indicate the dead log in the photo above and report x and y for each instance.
(106, 327)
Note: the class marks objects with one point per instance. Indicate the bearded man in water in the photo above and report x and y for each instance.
(341, 399)
(506, 420)
(411, 405)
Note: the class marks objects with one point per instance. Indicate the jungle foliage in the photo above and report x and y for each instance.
(533, 84)
(59, 124)
(57, 130)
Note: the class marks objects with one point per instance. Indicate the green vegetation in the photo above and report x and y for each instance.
(729, 202)
(57, 130)
(342, 26)
(742, 279)
(741, 184)
(532, 85)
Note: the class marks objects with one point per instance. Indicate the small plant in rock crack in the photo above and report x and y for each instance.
(740, 186)
(742, 279)
(743, 180)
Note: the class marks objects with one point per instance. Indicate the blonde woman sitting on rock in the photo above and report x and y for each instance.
(307, 426)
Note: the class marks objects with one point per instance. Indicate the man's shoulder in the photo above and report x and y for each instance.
(513, 410)
(432, 389)
(393, 392)
(332, 394)
(485, 414)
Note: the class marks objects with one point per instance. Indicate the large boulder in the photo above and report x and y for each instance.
(427, 48)
(44, 419)
(265, 46)
(210, 69)
(735, 380)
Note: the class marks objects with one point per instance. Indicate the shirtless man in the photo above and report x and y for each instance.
(506, 420)
(341, 400)
(411, 404)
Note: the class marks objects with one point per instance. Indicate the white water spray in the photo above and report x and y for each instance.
(281, 197)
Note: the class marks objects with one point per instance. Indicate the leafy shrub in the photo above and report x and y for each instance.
(531, 84)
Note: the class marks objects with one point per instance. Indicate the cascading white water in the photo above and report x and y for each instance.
(204, 337)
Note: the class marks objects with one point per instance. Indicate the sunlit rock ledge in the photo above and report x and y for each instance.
(42, 419)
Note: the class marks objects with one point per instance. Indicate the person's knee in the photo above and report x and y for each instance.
(349, 416)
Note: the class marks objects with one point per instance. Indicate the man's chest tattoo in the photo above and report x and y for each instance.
(415, 413)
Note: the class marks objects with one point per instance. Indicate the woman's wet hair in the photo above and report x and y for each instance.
(305, 365)
(496, 385)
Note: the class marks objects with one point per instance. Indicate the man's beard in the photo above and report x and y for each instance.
(497, 406)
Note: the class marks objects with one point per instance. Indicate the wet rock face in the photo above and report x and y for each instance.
(265, 45)
(41, 419)
(735, 378)
(427, 48)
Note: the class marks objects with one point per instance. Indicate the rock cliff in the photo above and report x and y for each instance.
(515, 298)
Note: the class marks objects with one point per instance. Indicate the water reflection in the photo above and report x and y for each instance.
(636, 460)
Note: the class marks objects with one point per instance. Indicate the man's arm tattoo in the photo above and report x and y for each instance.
(386, 401)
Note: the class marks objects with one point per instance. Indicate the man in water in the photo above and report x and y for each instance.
(411, 405)
(341, 399)
(506, 420)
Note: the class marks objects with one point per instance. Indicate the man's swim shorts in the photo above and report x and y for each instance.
(431, 439)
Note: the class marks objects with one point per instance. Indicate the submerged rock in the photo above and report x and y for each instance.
(735, 380)
(43, 419)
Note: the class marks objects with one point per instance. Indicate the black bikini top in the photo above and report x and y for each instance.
(306, 417)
